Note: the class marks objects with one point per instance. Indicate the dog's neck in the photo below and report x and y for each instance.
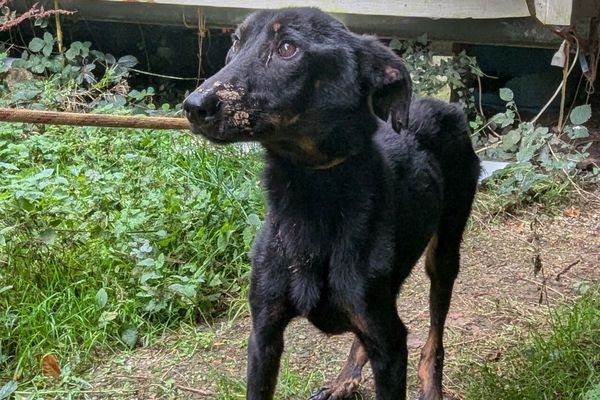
(305, 153)
(331, 148)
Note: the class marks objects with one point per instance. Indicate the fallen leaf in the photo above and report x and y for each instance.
(571, 212)
(518, 226)
(50, 366)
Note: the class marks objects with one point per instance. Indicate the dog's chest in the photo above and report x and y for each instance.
(306, 255)
(321, 263)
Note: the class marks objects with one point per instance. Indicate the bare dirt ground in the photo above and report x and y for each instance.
(496, 299)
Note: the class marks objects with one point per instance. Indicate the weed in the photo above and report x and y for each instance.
(562, 365)
(109, 237)
(291, 384)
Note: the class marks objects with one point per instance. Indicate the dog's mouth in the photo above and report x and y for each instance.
(223, 129)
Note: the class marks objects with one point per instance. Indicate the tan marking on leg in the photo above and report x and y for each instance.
(351, 375)
(359, 322)
(430, 253)
(427, 366)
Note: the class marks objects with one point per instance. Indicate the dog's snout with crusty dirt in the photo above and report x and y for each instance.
(216, 108)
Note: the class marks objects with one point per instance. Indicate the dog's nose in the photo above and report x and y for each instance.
(201, 108)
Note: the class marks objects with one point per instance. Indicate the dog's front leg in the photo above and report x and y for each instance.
(264, 352)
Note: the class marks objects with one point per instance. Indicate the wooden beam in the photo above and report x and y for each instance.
(480, 9)
(554, 12)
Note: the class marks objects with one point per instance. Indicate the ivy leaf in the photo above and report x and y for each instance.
(8, 166)
(506, 94)
(36, 45)
(188, 291)
(577, 132)
(581, 114)
(422, 39)
(525, 154)
(395, 44)
(127, 61)
(129, 337)
(8, 389)
(146, 276)
(43, 174)
(253, 220)
(101, 297)
(146, 262)
(48, 38)
(106, 317)
(71, 53)
(511, 139)
(47, 50)
(48, 236)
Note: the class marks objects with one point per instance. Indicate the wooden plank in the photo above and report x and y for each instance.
(480, 9)
(554, 12)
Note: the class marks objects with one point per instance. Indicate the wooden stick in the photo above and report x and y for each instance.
(80, 119)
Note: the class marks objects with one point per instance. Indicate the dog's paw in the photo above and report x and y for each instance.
(320, 394)
(338, 391)
(431, 395)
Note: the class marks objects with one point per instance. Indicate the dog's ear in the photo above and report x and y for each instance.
(388, 81)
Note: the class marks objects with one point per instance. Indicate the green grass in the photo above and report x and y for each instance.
(518, 187)
(562, 364)
(110, 237)
(290, 385)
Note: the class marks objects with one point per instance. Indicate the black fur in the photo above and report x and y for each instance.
(353, 200)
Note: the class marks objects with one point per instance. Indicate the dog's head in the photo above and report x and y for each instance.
(294, 74)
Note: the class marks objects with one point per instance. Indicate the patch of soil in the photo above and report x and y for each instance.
(498, 293)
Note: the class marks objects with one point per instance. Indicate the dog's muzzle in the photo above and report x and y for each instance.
(201, 109)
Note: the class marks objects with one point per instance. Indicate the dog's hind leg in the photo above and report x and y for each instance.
(350, 377)
(442, 262)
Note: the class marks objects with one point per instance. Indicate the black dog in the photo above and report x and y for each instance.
(353, 201)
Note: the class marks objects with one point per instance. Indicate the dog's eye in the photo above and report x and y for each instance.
(235, 42)
(287, 49)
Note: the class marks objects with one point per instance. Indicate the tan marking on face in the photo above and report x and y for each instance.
(276, 26)
(308, 145)
(283, 121)
(291, 120)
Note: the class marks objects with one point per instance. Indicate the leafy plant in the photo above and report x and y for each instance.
(108, 236)
(84, 79)
(430, 77)
(543, 160)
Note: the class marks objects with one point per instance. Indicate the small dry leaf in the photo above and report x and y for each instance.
(572, 212)
(518, 226)
(50, 366)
